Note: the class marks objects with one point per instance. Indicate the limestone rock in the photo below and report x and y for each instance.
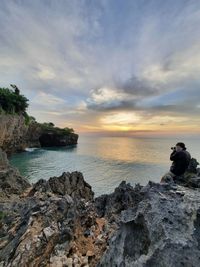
(59, 223)
(53, 139)
(192, 168)
(72, 184)
(11, 182)
(46, 227)
(123, 197)
(3, 160)
(15, 135)
(160, 230)
(12, 133)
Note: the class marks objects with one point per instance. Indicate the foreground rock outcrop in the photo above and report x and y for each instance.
(51, 223)
(163, 229)
(59, 223)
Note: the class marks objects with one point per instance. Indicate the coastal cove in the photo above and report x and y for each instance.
(104, 161)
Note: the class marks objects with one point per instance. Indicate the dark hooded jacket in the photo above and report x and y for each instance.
(180, 163)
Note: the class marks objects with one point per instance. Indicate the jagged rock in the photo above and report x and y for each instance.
(123, 197)
(192, 168)
(11, 182)
(58, 223)
(72, 184)
(194, 182)
(32, 229)
(46, 227)
(191, 177)
(160, 230)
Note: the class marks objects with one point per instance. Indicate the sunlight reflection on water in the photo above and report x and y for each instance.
(104, 161)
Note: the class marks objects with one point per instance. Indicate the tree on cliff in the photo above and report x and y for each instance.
(17, 91)
(12, 101)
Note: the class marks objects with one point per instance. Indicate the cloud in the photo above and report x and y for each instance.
(122, 95)
(107, 98)
(94, 61)
(48, 100)
(45, 73)
(122, 118)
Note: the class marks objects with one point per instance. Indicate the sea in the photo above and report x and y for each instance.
(104, 161)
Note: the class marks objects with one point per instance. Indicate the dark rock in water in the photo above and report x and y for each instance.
(72, 184)
(16, 135)
(54, 139)
(47, 136)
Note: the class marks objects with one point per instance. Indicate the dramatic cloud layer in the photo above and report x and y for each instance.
(103, 66)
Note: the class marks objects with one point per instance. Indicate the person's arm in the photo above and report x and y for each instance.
(174, 156)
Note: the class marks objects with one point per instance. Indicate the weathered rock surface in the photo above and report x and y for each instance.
(53, 224)
(163, 229)
(12, 133)
(33, 134)
(39, 136)
(72, 184)
(15, 135)
(11, 182)
(124, 196)
(53, 139)
(59, 223)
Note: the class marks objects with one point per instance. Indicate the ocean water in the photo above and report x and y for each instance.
(104, 161)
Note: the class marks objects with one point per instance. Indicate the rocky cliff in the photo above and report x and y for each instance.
(12, 184)
(12, 133)
(59, 223)
(15, 135)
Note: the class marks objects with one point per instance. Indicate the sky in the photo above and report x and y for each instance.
(109, 67)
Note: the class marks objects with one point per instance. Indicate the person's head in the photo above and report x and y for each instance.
(180, 146)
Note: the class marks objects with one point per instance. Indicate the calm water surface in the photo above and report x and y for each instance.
(104, 161)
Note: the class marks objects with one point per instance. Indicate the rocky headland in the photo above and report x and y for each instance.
(18, 130)
(59, 222)
(16, 134)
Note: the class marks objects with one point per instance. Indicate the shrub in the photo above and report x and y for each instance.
(49, 126)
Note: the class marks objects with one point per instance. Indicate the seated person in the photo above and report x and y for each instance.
(181, 159)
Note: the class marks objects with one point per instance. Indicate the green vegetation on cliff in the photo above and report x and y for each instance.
(49, 126)
(12, 102)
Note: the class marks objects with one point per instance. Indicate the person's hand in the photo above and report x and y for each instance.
(178, 149)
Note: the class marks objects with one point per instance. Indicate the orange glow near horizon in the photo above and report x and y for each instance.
(142, 129)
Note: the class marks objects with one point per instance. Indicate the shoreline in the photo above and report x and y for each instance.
(61, 222)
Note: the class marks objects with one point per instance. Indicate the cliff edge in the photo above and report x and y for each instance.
(16, 134)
